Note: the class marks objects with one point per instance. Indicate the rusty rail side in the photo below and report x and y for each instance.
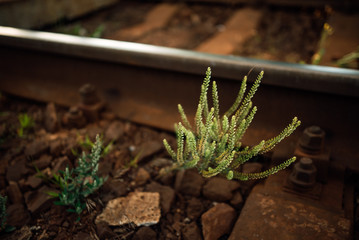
(144, 83)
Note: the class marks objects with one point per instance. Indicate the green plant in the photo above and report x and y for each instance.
(133, 163)
(349, 58)
(79, 30)
(2, 212)
(3, 226)
(213, 145)
(26, 123)
(87, 144)
(78, 183)
(326, 32)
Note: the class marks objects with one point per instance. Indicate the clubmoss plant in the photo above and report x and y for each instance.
(213, 145)
(78, 183)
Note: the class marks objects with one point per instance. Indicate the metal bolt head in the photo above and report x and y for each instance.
(74, 111)
(312, 139)
(88, 94)
(74, 117)
(304, 173)
(306, 163)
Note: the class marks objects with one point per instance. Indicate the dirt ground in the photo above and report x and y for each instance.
(132, 165)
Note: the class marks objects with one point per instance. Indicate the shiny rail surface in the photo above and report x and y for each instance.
(144, 84)
(295, 76)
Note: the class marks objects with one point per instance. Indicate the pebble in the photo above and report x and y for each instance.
(60, 164)
(220, 189)
(43, 162)
(189, 182)
(33, 182)
(140, 208)
(51, 120)
(38, 201)
(191, 231)
(36, 148)
(194, 208)
(218, 221)
(142, 176)
(167, 195)
(17, 170)
(14, 193)
(104, 231)
(147, 149)
(237, 200)
(145, 233)
(115, 131)
(17, 215)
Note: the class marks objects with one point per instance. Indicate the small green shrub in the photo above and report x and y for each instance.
(78, 183)
(318, 55)
(87, 144)
(213, 145)
(349, 59)
(2, 212)
(3, 226)
(26, 123)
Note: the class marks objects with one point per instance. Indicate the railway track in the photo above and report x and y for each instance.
(144, 83)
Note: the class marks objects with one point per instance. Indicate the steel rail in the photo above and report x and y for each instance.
(144, 84)
(295, 76)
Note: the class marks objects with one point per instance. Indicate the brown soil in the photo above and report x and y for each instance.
(183, 202)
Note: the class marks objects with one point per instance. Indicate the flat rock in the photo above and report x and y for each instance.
(269, 216)
(142, 176)
(159, 163)
(194, 208)
(237, 200)
(117, 187)
(104, 231)
(38, 201)
(51, 120)
(17, 215)
(56, 146)
(60, 164)
(17, 170)
(220, 189)
(36, 148)
(43, 162)
(145, 233)
(33, 181)
(14, 193)
(218, 221)
(189, 182)
(191, 231)
(167, 195)
(115, 131)
(147, 149)
(140, 208)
